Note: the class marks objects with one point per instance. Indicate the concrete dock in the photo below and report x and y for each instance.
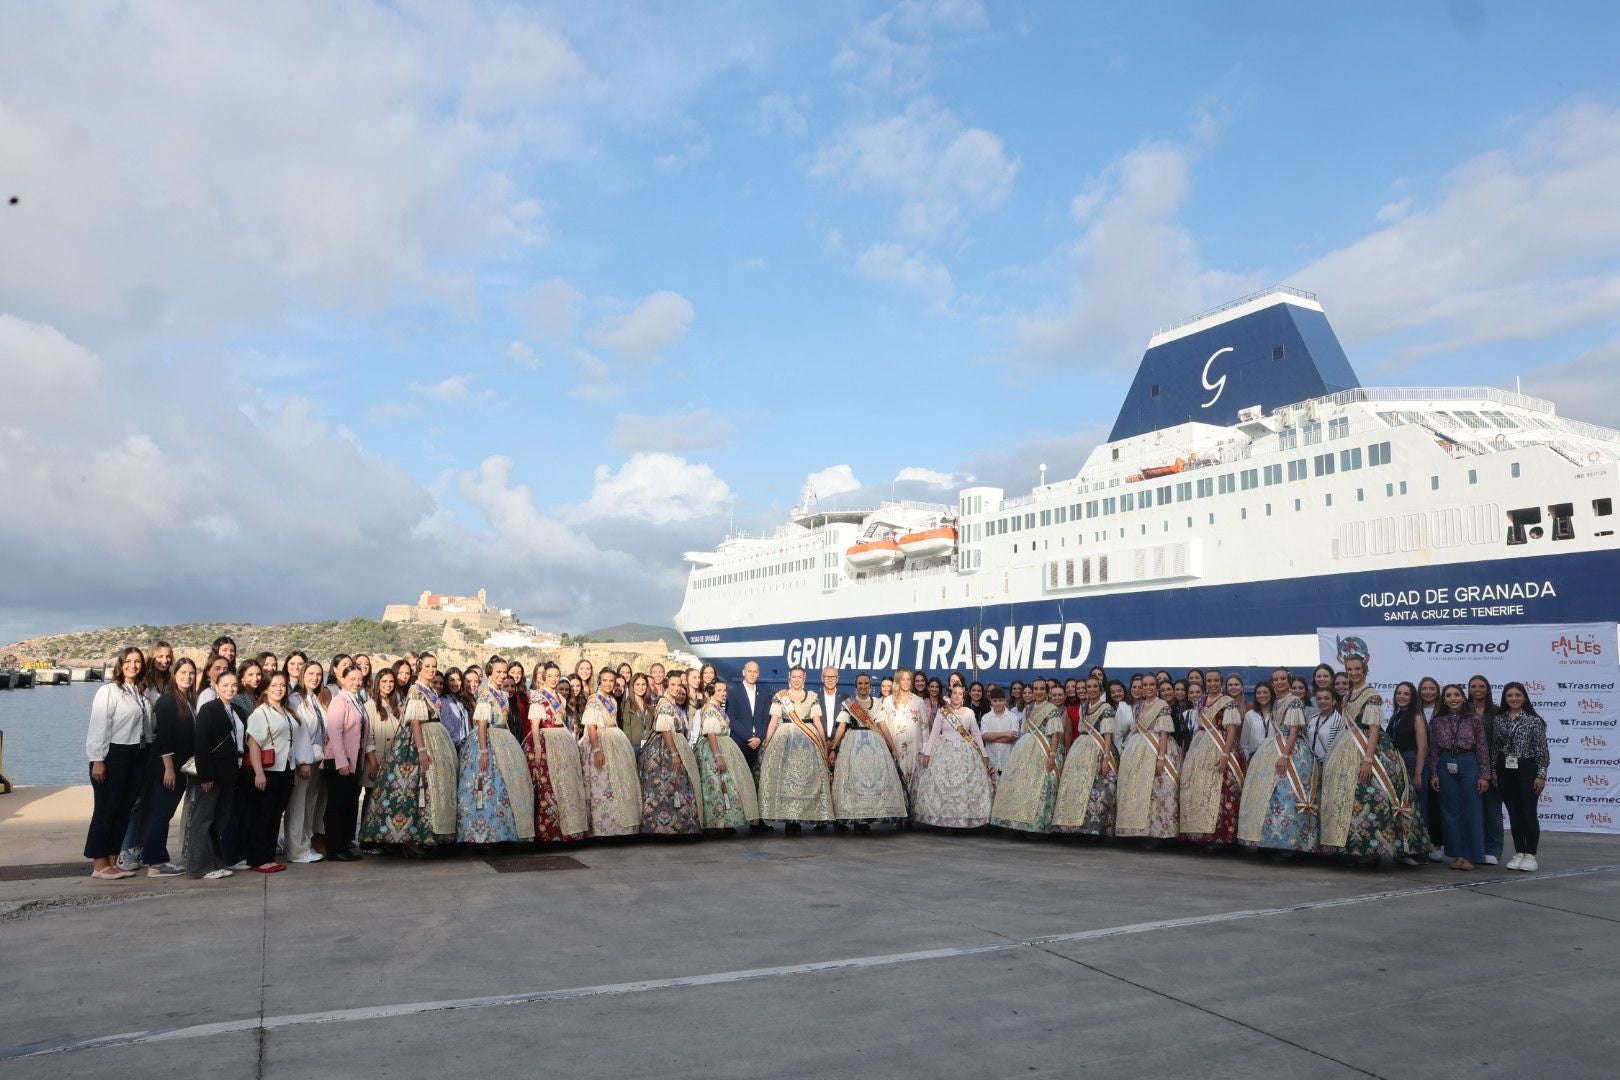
(917, 955)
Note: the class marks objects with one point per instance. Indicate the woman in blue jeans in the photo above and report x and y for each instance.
(1461, 774)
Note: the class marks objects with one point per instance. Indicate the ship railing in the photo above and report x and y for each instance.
(1239, 302)
(1431, 393)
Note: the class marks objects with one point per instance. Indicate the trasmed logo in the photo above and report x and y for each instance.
(1584, 686)
(1573, 645)
(1551, 779)
(1558, 740)
(1458, 648)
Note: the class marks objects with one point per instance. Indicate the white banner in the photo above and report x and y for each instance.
(1571, 671)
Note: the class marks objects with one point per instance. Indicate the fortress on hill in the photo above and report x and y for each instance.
(473, 612)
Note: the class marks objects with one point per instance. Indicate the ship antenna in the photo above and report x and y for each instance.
(1043, 474)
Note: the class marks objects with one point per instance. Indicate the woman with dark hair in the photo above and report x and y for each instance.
(383, 721)
(309, 757)
(1461, 776)
(1481, 705)
(1212, 773)
(903, 714)
(269, 755)
(562, 807)
(936, 698)
(1409, 731)
(1086, 791)
(1519, 757)
(1279, 811)
(1119, 696)
(494, 796)
(976, 699)
(1428, 704)
(608, 762)
(218, 756)
(706, 677)
(120, 732)
(636, 711)
(209, 672)
(518, 698)
(453, 712)
(174, 736)
(1150, 772)
(159, 666)
(953, 788)
(1366, 795)
(578, 697)
(1027, 793)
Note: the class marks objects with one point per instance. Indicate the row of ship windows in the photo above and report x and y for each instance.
(1248, 479)
(1338, 428)
(758, 573)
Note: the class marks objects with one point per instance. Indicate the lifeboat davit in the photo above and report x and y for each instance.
(1165, 470)
(874, 554)
(929, 543)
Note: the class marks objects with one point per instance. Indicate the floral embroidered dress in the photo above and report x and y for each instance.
(866, 785)
(1086, 792)
(1027, 793)
(953, 790)
(562, 809)
(1212, 778)
(1280, 812)
(495, 794)
(794, 784)
(670, 782)
(1376, 818)
(1150, 775)
(613, 788)
(908, 727)
(729, 798)
(410, 805)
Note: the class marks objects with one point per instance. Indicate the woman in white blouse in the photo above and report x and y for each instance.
(121, 727)
(269, 752)
(309, 754)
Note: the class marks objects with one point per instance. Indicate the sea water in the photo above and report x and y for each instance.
(44, 729)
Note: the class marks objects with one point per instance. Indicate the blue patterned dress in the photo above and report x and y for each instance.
(670, 804)
(486, 807)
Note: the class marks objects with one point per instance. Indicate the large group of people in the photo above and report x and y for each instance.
(282, 760)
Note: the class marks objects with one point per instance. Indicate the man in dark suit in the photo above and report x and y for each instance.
(748, 712)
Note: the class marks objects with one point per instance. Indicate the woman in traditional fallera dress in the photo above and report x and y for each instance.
(1150, 771)
(1279, 810)
(495, 795)
(1212, 776)
(729, 799)
(1027, 793)
(670, 782)
(906, 716)
(1366, 797)
(413, 803)
(866, 786)
(794, 784)
(609, 764)
(562, 809)
(1087, 791)
(953, 775)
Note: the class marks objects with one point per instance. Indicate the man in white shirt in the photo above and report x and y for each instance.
(999, 727)
(832, 700)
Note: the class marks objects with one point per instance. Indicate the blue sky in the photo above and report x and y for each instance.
(322, 306)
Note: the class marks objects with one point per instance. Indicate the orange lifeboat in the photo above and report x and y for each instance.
(929, 543)
(1165, 470)
(874, 554)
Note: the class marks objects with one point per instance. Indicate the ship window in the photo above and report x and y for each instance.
(1116, 453)
(1296, 469)
(1602, 507)
(1052, 575)
(1273, 474)
(1206, 487)
(1519, 521)
(1184, 491)
(1563, 515)
(1212, 519)
(1350, 459)
(1268, 509)
(1029, 520)
(1017, 524)
(1403, 487)
(1046, 517)
(1102, 568)
(1091, 508)
(1061, 514)
(1164, 495)
(1434, 483)
(1145, 499)
(1296, 506)
(1473, 476)
(1361, 495)
(1339, 427)
(1288, 438)
(1513, 470)
(1155, 391)
(1313, 432)
(1327, 500)
(1243, 513)
(1068, 572)
(1377, 454)
(1127, 502)
(1276, 352)
(1250, 478)
(1085, 571)
(1324, 464)
(1226, 483)
(1110, 504)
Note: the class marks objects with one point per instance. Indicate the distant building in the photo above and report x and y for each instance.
(472, 612)
(522, 637)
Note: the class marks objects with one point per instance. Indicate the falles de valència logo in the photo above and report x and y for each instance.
(1573, 645)
(1351, 648)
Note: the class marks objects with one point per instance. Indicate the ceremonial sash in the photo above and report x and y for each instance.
(791, 712)
(1380, 774)
(950, 716)
(864, 718)
(1306, 802)
(1159, 738)
(1033, 726)
(1100, 713)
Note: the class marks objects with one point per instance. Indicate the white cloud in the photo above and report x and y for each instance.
(385, 411)
(521, 354)
(937, 169)
(644, 332)
(1586, 388)
(453, 388)
(657, 488)
(924, 16)
(776, 112)
(910, 270)
(755, 264)
(690, 154)
(682, 433)
(549, 311)
(1519, 243)
(1134, 266)
(916, 474)
(833, 480)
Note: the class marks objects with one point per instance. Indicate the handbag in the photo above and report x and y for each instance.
(267, 758)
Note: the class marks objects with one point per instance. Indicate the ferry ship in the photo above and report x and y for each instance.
(1250, 492)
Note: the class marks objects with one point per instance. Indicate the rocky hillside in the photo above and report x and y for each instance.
(318, 639)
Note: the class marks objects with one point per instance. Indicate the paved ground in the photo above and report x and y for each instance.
(896, 956)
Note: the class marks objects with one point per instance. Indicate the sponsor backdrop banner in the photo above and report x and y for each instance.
(1571, 672)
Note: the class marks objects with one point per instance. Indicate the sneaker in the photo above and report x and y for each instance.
(1492, 860)
(312, 857)
(168, 869)
(240, 865)
(129, 859)
(1529, 864)
(217, 875)
(1513, 863)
